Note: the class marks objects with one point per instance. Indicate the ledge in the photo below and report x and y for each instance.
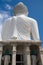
(4, 42)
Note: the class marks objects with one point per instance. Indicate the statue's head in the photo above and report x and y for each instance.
(20, 8)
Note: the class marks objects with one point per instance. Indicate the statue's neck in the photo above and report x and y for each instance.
(19, 14)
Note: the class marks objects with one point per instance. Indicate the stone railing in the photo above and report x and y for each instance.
(20, 42)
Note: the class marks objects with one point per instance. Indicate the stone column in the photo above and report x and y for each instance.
(27, 59)
(14, 55)
(41, 54)
(33, 57)
(0, 54)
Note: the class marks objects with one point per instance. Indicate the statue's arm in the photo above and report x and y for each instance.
(8, 28)
(5, 28)
(35, 31)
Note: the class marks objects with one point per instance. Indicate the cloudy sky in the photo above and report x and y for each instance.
(35, 8)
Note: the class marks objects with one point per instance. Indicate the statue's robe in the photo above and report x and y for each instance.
(20, 28)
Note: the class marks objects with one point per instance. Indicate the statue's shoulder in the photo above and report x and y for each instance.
(32, 20)
(10, 18)
(29, 19)
(8, 21)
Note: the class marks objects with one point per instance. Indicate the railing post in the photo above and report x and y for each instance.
(14, 55)
(1, 48)
(27, 59)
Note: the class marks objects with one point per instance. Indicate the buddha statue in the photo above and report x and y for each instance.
(20, 26)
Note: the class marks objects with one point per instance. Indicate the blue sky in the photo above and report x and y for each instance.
(35, 8)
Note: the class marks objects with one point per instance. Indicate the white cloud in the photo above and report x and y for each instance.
(0, 15)
(3, 15)
(0, 31)
(8, 7)
(0, 27)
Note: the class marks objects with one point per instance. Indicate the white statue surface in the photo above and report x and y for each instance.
(20, 26)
